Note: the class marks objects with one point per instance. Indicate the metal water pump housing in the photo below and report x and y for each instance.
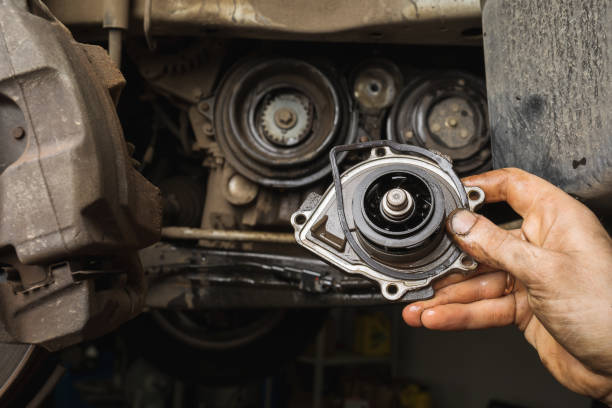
(384, 218)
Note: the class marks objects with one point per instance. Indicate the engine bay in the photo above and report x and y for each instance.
(253, 123)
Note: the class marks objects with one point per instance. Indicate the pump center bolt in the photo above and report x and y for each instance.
(397, 198)
(397, 203)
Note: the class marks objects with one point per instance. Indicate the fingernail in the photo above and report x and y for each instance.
(462, 222)
(414, 308)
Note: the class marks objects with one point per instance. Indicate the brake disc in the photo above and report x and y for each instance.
(384, 218)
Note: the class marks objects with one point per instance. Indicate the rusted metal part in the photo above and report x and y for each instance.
(180, 293)
(36, 316)
(445, 112)
(191, 79)
(107, 72)
(268, 210)
(73, 190)
(195, 278)
(227, 235)
(245, 103)
(395, 21)
(376, 84)
(71, 195)
(188, 75)
(183, 199)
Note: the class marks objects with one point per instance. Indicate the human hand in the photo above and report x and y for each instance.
(562, 260)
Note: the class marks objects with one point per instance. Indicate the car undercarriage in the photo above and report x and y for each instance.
(158, 156)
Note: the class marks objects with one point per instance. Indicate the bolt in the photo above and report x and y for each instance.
(208, 129)
(285, 118)
(435, 127)
(452, 122)
(464, 133)
(18, 132)
(204, 106)
(408, 135)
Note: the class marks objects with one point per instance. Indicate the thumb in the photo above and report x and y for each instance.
(496, 247)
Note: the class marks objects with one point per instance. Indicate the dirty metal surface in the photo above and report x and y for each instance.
(227, 235)
(549, 85)
(396, 21)
(74, 189)
(196, 278)
(69, 196)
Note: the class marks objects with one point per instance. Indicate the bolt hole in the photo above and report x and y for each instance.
(392, 289)
(300, 219)
(374, 87)
(467, 261)
(474, 195)
(380, 152)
